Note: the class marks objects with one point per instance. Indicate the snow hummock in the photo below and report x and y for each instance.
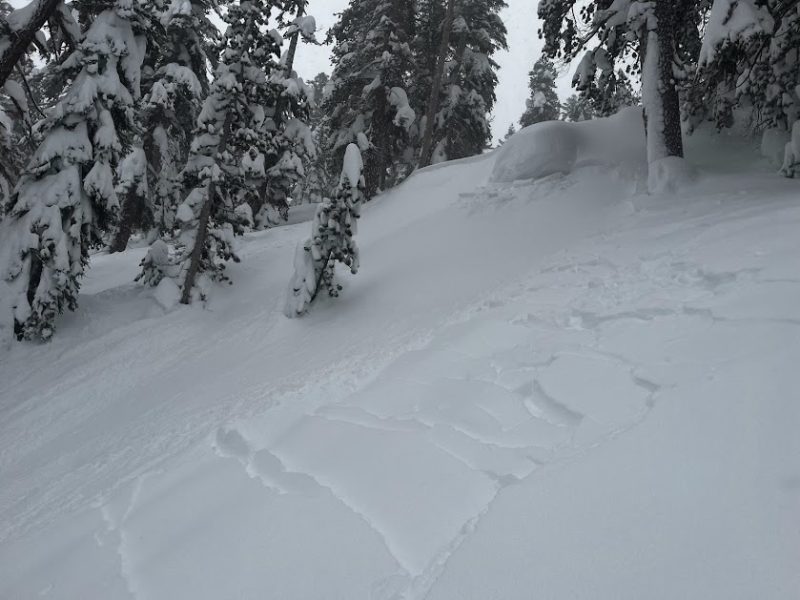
(550, 147)
(555, 386)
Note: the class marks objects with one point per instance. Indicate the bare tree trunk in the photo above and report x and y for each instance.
(376, 163)
(301, 9)
(667, 24)
(659, 92)
(21, 39)
(436, 86)
(130, 217)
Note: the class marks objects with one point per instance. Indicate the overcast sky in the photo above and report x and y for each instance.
(523, 49)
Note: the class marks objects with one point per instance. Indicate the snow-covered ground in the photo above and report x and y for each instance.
(560, 388)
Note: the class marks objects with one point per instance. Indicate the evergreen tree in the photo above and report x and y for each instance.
(318, 86)
(316, 180)
(237, 153)
(176, 65)
(577, 108)
(291, 145)
(331, 239)
(748, 67)
(368, 104)
(19, 29)
(21, 94)
(543, 104)
(659, 39)
(610, 93)
(432, 44)
(65, 199)
(8, 166)
(462, 126)
(511, 131)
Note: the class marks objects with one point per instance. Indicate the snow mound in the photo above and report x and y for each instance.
(669, 174)
(552, 147)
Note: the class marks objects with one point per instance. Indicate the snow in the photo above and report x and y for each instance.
(352, 165)
(732, 20)
(404, 115)
(558, 383)
(773, 144)
(307, 26)
(16, 94)
(551, 147)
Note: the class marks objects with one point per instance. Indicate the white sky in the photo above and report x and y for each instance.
(523, 45)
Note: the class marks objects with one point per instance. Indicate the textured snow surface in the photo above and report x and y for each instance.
(558, 388)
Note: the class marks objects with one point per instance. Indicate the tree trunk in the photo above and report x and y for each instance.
(436, 86)
(667, 19)
(21, 39)
(199, 245)
(202, 223)
(659, 92)
(130, 217)
(375, 165)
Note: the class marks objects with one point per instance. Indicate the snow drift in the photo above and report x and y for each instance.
(552, 147)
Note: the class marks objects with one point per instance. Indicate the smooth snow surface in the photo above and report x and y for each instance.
(550, 388)
(552, 147)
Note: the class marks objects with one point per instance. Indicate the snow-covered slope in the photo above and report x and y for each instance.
(557, 388)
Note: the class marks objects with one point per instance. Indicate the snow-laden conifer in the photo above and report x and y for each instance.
(238, 153)
(66, 199)
(177, 64)
(577, 107)
(367, 102)
(291, 145)
(462, 126)
(543, 103)
(332, 239)
(749, 72)
(657, 38)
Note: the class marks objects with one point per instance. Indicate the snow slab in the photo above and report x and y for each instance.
(556, 388)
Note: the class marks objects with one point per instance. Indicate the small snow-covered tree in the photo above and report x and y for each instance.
(65, 199)
(543, 104)
(332, 239)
